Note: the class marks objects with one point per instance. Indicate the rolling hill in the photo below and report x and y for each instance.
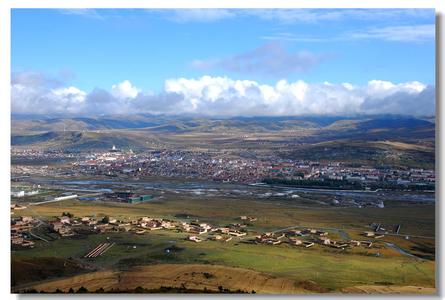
(379, 139)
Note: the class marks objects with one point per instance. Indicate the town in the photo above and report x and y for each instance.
(220, 166)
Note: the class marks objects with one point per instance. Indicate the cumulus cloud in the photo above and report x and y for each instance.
(222, 96)
(124, 90)
(270, 59)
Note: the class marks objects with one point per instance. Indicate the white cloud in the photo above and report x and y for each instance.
(402, 33)
(270, 59)
(39, 99)
(410, 33)
(83, 12)
(71, 93)
(291, 15)
(199, 15)
(223, 96)
(124, 90)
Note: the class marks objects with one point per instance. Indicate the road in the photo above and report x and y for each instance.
(57, 200)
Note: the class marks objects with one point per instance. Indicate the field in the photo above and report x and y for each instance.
(293, 269)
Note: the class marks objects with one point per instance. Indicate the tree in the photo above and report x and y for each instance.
(82, 289)
(139, 290)
(67, 214)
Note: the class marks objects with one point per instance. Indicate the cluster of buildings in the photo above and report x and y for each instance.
(20, 228)
(22, 193)
(308, 238)
(33, 153)
(370, 175)
(197, 232)
(15, 206)
(218, 166)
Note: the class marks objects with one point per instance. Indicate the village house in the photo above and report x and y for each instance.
(215, 237)
(295, 241)
(221, 230)
(167, 224)
(104, 227)
(237, 226)
(26, 219)
(268, 238)
(64, 219)
(65, 231)
(295, 232)
(194, 238)
(237, 233)
(122, 225)
(196, 229)
(338, 245)
(308, 244)
(61, 228)
(145, 219)
(246, 218)
(325, 241)
(17, 207)
(227, 239)
(367, 243)
(56, 225)
(16, 240)
(25, 243)
(319, 232)
(205, 226)
(354, 243)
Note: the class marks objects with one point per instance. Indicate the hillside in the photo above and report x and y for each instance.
(381, 140)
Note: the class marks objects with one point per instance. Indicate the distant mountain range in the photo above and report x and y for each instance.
(132, 131)
(182, 123)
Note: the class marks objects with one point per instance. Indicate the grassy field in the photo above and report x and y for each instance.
(415, 218)
(329, 269)
(325, 268)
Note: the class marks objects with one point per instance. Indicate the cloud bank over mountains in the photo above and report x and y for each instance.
(32, 93)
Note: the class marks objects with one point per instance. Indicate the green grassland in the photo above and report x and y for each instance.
(415, 218)
(330, 268)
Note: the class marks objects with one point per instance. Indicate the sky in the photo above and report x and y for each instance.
(223, 62)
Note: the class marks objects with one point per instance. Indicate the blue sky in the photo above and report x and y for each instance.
(90, 49)
(103, 47)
